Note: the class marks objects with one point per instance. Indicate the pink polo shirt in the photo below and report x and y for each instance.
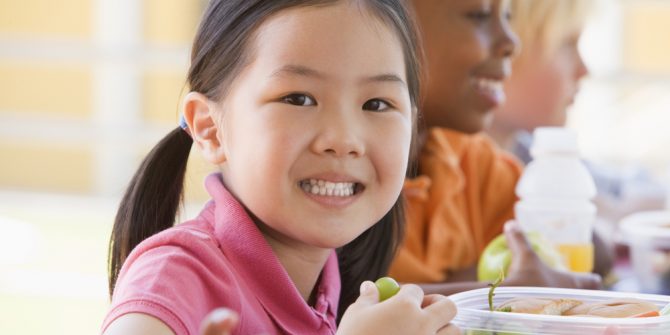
(220, 259)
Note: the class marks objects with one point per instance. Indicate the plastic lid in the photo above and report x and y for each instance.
(554, 140)
(474, 316)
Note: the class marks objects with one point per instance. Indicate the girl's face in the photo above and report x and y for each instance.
(468, 45)
(543, 86)
(316, 129)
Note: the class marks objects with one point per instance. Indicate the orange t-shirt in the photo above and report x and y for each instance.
(459, 203)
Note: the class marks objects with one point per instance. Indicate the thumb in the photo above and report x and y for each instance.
(517, 242)
(589, 281)
(369, 294)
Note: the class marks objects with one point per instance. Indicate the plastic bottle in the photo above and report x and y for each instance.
(555, 193)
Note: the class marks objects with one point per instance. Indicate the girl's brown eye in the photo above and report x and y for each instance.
(298, 99)
(375, 105)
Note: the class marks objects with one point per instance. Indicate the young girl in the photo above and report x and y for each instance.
(298, 103)
(464, 192)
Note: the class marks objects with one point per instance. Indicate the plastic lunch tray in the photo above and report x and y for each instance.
(474, 317)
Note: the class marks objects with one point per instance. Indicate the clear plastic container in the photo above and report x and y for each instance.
(474, 317)
(648, 237)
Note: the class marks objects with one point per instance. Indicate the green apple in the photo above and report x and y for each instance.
(497, 255)
(387, 287)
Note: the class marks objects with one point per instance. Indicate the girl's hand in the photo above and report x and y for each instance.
(527, 269)
(221, 321)
(407, 312)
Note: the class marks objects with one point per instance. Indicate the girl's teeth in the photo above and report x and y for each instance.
(322, 187)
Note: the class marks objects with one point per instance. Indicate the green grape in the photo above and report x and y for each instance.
(387, 287)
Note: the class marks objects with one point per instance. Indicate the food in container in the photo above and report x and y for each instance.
(475, 318)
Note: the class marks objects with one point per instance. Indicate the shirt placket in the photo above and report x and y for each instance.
(321, 310)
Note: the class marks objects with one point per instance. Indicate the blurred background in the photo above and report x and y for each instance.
(88, 86)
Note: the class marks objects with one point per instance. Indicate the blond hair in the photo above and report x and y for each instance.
(543, 24)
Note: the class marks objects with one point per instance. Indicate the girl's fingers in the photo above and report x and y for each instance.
(221, 321)
(440, 309)
(410, 292)
(369, 294)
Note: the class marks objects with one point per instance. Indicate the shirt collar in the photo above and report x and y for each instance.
(442, 154)
(247, 249)
(447, 145)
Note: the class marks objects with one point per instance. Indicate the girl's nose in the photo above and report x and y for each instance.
(339, 135)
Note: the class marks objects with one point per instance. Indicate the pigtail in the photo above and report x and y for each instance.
(369, 256)
(151, 201)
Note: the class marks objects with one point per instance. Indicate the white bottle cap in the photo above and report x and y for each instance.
(556, 171)
(554, 140)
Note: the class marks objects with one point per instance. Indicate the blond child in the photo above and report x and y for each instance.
(547, 76)
(546, 73)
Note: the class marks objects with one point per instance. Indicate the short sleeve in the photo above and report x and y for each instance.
(170, 277)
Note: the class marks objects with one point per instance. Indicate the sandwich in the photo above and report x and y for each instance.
(616, 308)
(546, 306)
(611, 308)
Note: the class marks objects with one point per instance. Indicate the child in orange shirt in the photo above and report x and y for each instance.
(464, 192)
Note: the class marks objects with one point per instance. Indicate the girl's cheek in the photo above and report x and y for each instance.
(398, 157)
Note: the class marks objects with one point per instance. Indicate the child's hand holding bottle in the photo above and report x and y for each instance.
(527, 269)
(407, 312)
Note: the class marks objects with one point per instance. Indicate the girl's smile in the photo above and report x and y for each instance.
(332, 192)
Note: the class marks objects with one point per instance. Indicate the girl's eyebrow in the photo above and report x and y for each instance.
(387, 77)
(304, 71)
(300, 70)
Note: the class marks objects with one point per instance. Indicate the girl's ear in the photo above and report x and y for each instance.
(199, 115)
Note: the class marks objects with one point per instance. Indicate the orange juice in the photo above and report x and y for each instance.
(578, 257)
